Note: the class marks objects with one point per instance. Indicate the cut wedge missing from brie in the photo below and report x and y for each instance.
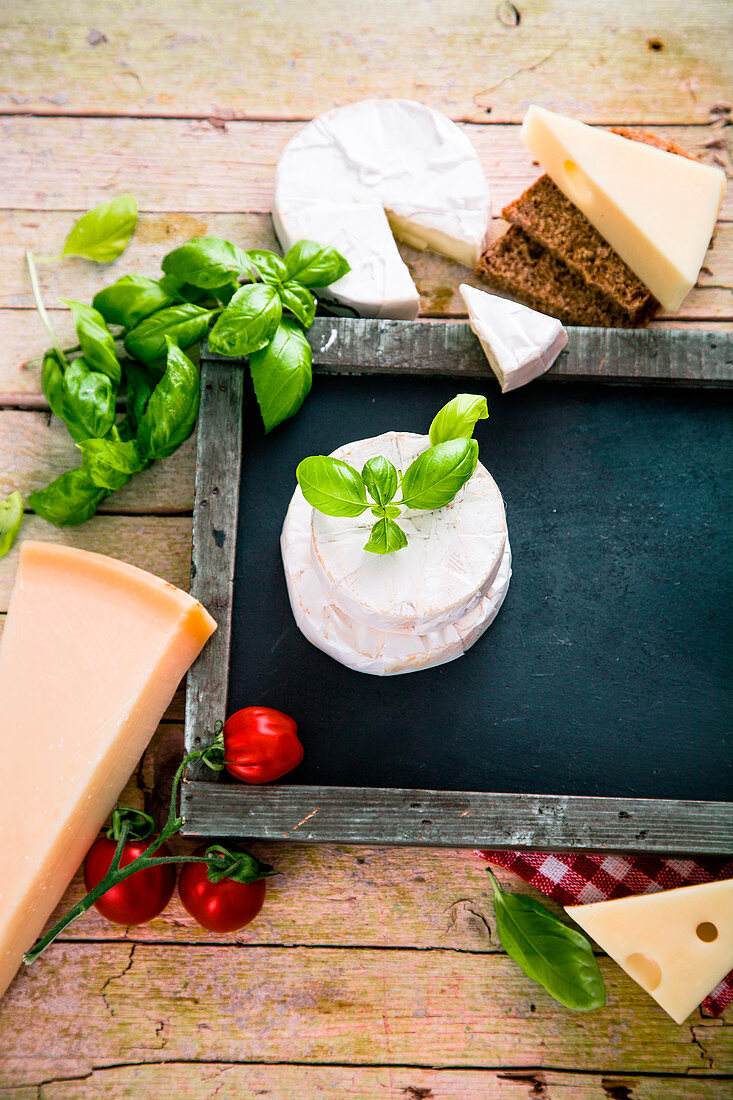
(519, 342)
(656, 209)
(360, 173)
(677, 944)
(412, 610)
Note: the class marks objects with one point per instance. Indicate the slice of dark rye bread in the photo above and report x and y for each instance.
(556, 261)
(522, 267)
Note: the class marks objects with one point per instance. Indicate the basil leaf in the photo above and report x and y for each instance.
(110, 464)
(141, 381)
(380, 478)
(332, 486)
(282, 374)
(249, 321)
(548, 951)
(315, 265)
(270, 267)
(437, 474)
(385, 537)
(102, 233)
(183, 325)
(11, 514)
(89, 401)
(458, 418)
(301, 303)
(70, 499)
(391, 511)
(182, 291)
(207, 262)
(131, 299)
(97, 342)
(171, 412)
(52, 380)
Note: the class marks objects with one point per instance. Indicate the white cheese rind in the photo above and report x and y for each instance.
(654, 938)
(365, 648)
(520, 343)
(452, 557)
(339, 175)
(656, 209)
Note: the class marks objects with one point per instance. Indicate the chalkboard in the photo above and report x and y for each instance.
(608, 669)
(596, 711)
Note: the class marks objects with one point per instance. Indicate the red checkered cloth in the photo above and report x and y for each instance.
(581, 879)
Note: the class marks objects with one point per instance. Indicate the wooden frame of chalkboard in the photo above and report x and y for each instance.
(414, 817)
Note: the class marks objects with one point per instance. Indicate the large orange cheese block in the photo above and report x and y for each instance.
(92, 653)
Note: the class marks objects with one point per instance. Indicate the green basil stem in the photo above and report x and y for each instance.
(33, 272)
(116, 874)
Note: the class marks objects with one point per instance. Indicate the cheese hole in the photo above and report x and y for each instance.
(707, 932)
(644, 970)
(577, 183)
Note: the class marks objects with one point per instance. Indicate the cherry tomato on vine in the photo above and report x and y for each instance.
(227, 904)
(137, 899)
(261, 744)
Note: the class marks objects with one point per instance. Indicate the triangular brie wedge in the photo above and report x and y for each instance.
(362, 172)
(656, 209)
(519, 342)
(677, 944)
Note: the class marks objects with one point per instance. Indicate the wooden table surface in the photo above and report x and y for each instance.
(370, 973)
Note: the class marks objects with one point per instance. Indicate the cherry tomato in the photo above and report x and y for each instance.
(261, 744)
(136, 899)
(224, 906)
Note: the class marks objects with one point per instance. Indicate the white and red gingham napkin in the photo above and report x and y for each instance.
(582, 878)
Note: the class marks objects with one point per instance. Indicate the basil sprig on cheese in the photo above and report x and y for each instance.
(259, 303)
(335, 488)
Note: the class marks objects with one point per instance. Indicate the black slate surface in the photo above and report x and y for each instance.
(608, 669)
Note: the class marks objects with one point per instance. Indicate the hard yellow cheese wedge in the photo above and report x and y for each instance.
(92, 653)
(657, 210)
(677, 944)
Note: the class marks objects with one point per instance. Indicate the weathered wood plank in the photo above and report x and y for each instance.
(25, 341)
(353, 815)
(197, 167)
(449, 347)
(90, 1005)
(44, 232)
(215, 543)
(36, 447)
(161, 544)
(662, 61)
(284, 1082)
(437, 278)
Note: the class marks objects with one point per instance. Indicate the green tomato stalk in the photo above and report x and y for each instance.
(126, 824)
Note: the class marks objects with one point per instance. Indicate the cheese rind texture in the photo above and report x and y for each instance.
(663, 940)
(362, 172)
(419, 607)
(520, 343)
(92, 652)
(656, 209)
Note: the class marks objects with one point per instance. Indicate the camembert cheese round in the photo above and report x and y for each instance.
(413, 609)
(362, 172)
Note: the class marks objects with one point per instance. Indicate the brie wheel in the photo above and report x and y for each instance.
(520, 343)
(360, 173)
(416, 608)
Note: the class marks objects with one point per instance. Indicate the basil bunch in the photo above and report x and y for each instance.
(560, 958)
(161, 412)
(143, 361)
(264, 319)
(335, 488)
